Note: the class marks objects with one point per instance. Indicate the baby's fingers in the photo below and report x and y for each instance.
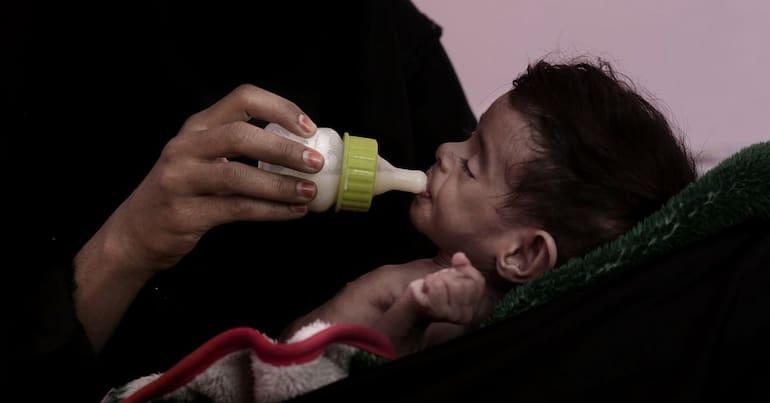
(463, 265)
(460, 260)
(418, 290)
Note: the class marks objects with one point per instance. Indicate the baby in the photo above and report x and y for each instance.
(568, 159)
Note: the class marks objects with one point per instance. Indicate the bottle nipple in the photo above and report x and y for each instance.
(391, 178)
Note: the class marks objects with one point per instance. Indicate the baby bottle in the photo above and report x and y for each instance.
(353, 172)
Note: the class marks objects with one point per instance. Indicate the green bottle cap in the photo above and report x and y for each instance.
(359, 169)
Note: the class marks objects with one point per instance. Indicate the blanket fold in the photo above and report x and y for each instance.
(243, 365)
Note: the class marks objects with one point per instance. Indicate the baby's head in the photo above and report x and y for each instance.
(570, 158)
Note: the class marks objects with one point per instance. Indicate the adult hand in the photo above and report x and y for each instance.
(193, 187)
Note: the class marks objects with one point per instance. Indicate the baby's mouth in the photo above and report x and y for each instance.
(426, 194)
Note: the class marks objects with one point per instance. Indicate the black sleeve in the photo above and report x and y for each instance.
(51, 357)
(46, 354)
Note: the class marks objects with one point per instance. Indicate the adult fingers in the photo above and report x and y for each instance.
(225, 209)
(235, 178)
(244, 139)
(247, 102)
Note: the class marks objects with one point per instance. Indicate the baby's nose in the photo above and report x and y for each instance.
(445, 154)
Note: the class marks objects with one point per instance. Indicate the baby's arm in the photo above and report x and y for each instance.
(362, 301)
(450, 295)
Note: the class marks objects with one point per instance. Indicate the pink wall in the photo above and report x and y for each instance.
(706, 61)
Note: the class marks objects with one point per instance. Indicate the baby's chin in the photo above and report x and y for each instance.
(418, 214)
(415, 209)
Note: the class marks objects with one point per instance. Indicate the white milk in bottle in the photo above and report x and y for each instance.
(353, 172)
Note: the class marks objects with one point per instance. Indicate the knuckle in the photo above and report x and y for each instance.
(174, 148)
(283, 185)
(289, 105)
(286, 186)
(231, 174)
(238, 133)
(244, 91)
(239, 129)
(168, 179)
(243, 208)
(287, 147)
(194, 121)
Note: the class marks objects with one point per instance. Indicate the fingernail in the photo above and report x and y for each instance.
(313, 159)
(307, 124)
(298, 208)
(306, 190)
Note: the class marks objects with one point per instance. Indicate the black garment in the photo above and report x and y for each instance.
(105, 87)
(689, 327)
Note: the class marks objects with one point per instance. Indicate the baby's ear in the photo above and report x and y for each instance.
(529, 255)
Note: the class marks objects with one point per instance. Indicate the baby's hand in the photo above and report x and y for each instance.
(452, 294)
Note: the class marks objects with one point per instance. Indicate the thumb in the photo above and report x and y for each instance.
(459, 260)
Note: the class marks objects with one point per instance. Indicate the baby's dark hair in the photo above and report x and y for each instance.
(605, 157)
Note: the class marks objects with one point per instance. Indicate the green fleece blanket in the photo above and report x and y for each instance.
(736, 190)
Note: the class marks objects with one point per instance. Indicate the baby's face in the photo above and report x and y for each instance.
(467, 183)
